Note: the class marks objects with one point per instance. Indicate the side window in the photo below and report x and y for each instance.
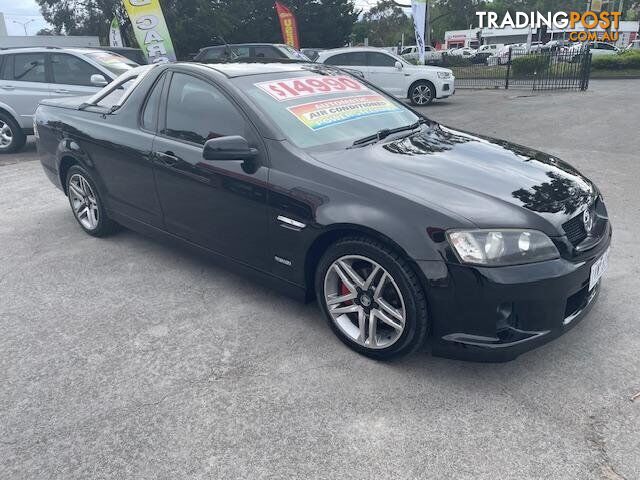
(152, 105)
(357, 59)
(4, 61)
(380, 60)
(241, 52)
(70, 70)
(405, 51)
(197, 111)
(340, 59)
(267, 52)
(29, 67)
(213, 53)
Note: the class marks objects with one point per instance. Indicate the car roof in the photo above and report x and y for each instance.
(244, 45)
(333, 51)
(52, 49)
(233, 70)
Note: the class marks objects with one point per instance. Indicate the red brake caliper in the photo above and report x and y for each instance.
(345, 291)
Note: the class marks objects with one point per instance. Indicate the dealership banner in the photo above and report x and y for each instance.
(419, 12)
(288, 25)
(151, 30)
(115, 39)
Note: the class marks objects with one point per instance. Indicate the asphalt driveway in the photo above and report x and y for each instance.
(124, 358)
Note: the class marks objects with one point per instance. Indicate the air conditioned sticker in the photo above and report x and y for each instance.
(321, 114)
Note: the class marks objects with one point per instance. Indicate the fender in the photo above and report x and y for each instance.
(8, 109)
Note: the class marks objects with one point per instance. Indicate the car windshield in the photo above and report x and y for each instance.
(323, 108)
(113, 62)
(293, 53)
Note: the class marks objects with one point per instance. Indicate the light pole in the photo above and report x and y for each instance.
(24, 25)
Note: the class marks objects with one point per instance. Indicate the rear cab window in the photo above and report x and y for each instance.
(323, 109)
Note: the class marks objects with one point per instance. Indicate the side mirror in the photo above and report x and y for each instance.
(398, 65)
(98, 80)
(233, 147)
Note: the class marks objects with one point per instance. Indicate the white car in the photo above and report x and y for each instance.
(28, 75)
(635, 45)
(490, 48)
(466, 52)
(421, 84)
(597, 49)
(431, 55)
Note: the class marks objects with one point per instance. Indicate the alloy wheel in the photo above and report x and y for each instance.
(364, 301)
(422, 94)
(6, 135)
(84, 202)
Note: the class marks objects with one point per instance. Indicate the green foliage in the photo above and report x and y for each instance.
(197, 23)
(531, 64)
(621, 61)
(384, 25)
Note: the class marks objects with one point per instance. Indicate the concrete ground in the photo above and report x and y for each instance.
(123, 358)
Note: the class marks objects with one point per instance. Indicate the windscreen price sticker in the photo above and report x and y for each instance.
(300, 87)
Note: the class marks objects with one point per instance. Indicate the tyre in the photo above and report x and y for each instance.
(86, 203)
(422, 93)
(12, 138)
(371, 298)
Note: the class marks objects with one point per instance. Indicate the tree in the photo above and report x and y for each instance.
(197, 23)
(384, 24)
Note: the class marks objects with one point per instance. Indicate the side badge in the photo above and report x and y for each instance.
(283, 261)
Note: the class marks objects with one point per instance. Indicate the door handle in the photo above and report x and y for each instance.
(62, 90)
(168, 159)
(7, 87)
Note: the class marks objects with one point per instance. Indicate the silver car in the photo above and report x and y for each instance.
(28, 75)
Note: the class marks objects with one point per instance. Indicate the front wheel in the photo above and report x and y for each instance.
(371, 298)
(422, 94)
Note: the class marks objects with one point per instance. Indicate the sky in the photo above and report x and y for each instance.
(21, 11)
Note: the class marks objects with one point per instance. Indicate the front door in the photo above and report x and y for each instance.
(71, 76)
(24, 84)
(382, 72)
(218, 204)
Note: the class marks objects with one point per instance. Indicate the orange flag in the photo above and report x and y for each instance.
(288, 25)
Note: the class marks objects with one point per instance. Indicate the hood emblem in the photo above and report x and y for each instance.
(587, 219)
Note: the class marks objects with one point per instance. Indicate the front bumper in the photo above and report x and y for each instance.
(446, 88)
(496, 314)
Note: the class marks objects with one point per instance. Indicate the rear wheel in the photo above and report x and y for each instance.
(371, 298)
(86, 204)
(422, 93)
(12, 138)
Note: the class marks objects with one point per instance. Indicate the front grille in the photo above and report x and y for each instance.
(574, 229)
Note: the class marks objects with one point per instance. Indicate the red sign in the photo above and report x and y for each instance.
(288, 25)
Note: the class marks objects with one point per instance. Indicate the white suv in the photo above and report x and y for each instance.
(421, 84)
(29, 75)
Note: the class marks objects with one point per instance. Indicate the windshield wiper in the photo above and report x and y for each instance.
(385, 132)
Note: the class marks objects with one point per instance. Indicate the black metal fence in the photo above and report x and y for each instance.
(556, 69)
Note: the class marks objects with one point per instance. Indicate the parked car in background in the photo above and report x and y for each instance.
(490, 48)
(133, 54)
(464, 52)
(431, 55)
(239, 51)
(29, 75)
(421, 84)
(635, 45)
(597, 49)
(312, 53)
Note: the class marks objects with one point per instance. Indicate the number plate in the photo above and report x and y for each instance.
(598, 268)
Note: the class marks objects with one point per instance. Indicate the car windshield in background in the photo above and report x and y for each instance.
(113, 62)
(294, 54)
(317, 108)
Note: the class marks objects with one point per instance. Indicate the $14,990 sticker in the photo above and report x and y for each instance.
(290, 88)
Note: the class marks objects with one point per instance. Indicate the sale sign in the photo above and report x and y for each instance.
(300, 87)
(317, 115)
(288, 26)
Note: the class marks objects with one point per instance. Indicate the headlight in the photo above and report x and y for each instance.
(501, 247)
(444, 74)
